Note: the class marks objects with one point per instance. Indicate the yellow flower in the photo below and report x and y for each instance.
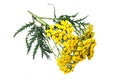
(79, 48)
(75, 48)
(57, 31)
(73, 65)
(62, 22)
(68, 51)
(65, 22)
(64, 37)
(65, 44)
(70, 25)
(61, 34)
(80, 43)
(90, 27)
(72, 48)
(79, 58)
(57, 41)
(74, 58)
(90, 56)
(76, 53)
(62, 68)
(93, 40)
(67, 56)
(86, 32)
(51, 26)
(56, 34)
(52, 32)
(93, 45)
(48, 34)
(53, 37)
(75, 41)
(92, 34)
(47, 31)
(68, 70)
(70, 30)
(69, 35)
(82, 37)
(60, 37)
(80, 52)
(89, 35)
(57, 25)
(68, 46)
(67, 60)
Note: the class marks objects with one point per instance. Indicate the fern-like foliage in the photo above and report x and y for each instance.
(24, 27)
(35, 34)
(41, 40)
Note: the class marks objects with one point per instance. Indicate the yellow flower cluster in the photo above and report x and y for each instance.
(60, 32)
(75, 48)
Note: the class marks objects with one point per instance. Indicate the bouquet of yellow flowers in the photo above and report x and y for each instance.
(73, 39)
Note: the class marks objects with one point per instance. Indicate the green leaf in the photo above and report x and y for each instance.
(31, 42)
(46, 50)
(35, 50)
(74, 15)
(26, 40)
(23, 28)
(44, 53)
(31, 30)
(81, 19)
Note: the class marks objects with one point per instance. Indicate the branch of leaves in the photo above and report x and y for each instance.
(36, 33)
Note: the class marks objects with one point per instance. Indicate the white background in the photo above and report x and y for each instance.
(16, 65)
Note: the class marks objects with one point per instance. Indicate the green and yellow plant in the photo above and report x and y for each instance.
(74, 39)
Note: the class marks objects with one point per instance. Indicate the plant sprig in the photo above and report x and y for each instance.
(36, 34)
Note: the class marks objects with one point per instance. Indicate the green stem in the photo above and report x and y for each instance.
(53, 19)
(38, 18)
(46, 18)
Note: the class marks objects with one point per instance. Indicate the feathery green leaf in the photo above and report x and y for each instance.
(31, 42)
(23, 28)
(35, 50)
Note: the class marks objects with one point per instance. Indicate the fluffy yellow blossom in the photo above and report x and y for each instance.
(75, 48)
(76, 53)
(65, 37)
(53, 37)
(79, 48)
(48, 34)
(74, 58)
(90, 26)
(51, 26)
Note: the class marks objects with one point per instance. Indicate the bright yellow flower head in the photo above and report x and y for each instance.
(90, 27)
(64, 37)
(74, 58)
(75, 48)
(76, 53)
(48, 34)
(79, 48)
(51, 26)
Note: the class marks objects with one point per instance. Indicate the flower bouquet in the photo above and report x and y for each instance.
(72, 38)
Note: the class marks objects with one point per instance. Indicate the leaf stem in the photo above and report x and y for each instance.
(46, 18)
(38, 18)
